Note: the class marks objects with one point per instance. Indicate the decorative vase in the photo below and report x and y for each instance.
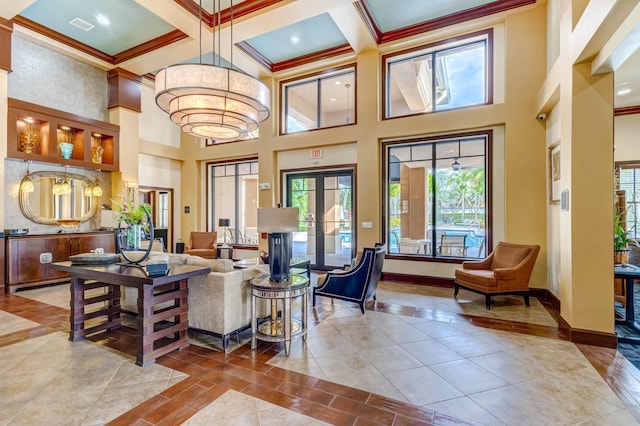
(66, 150)
(621, 257)
(96, 154)
(134, 236)
(28, 142)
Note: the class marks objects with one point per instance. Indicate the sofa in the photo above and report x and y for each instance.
(219, 302)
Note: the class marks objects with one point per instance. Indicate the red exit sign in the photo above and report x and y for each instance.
(316, 153)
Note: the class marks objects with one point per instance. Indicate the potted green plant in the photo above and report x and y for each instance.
(621, 240)
(134, 216)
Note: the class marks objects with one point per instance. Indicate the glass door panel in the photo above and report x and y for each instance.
(325, 239)
(337, 221)
(302, 194)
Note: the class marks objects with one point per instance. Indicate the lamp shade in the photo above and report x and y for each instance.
(278, 219)
(224, 222)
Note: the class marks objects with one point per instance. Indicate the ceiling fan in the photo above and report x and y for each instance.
(455, 166)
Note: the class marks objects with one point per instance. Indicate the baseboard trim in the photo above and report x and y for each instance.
(576, 335)
(418, 279)
(594, 338)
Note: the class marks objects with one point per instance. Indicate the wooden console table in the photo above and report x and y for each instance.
(159, 331)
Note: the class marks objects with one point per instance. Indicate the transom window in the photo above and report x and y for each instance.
(447, 75)
(233, 194)
(321, 101)
(436, 198)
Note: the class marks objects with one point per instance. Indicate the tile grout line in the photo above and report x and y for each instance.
(26, 309)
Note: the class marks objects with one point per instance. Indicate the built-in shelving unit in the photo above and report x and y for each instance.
(51, 136)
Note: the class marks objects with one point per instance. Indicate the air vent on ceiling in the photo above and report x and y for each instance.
(82, 24)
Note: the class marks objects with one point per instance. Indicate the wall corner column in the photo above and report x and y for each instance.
(125, 100)
(6, 28)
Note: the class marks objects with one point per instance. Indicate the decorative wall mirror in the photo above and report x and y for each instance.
(42, 205)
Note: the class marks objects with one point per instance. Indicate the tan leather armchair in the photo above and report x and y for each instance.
(202, 244)
(505, 271)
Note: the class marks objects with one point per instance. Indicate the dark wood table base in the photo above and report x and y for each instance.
(162, 304)
(159, 331)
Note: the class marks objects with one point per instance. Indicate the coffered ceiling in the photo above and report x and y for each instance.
(271, 36)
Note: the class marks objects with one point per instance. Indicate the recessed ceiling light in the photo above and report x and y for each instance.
(294, 39)
(623, 91)
(103, 20)
(338, 83)
(332, 99)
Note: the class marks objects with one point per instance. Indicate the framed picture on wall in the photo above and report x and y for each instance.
(555, 172)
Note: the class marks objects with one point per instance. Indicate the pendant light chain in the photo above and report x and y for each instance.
(200, 26)
(219, 33)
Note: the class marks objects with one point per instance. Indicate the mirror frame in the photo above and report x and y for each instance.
(28, 212)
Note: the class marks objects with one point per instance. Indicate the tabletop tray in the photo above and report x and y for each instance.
(94, 258)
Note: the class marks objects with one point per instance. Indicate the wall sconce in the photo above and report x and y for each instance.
(65, 187)
(97, 189)
(56, 188)
(27, 184)
(62, 186)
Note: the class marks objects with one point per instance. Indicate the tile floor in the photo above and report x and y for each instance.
(416, 357)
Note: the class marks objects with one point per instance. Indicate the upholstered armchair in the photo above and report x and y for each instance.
(202, 244)
(505, 271)
(357, 284)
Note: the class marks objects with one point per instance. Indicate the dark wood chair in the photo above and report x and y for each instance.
(358, 284)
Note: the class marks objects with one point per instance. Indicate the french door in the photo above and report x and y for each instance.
(326, 232)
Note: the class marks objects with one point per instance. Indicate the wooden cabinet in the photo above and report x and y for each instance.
(43, 134)
(28, 257)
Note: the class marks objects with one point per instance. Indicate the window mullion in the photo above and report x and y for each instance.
(433, 200)
(433, 81)
(319, 104)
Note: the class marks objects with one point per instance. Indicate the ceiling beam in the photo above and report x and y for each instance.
(622, 44)
(353, 28)
(9, 9)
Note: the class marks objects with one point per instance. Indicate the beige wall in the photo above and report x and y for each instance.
(518, 150)
(154, 124)
(627, 137)
(580, 116)
(525, 190)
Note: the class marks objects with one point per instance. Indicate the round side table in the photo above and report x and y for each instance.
(279, 329)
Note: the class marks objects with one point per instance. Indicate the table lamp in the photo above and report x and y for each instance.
(224, 224)
(279, 223)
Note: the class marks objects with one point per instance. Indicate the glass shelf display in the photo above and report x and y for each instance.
(47, 135)
(30, 132)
